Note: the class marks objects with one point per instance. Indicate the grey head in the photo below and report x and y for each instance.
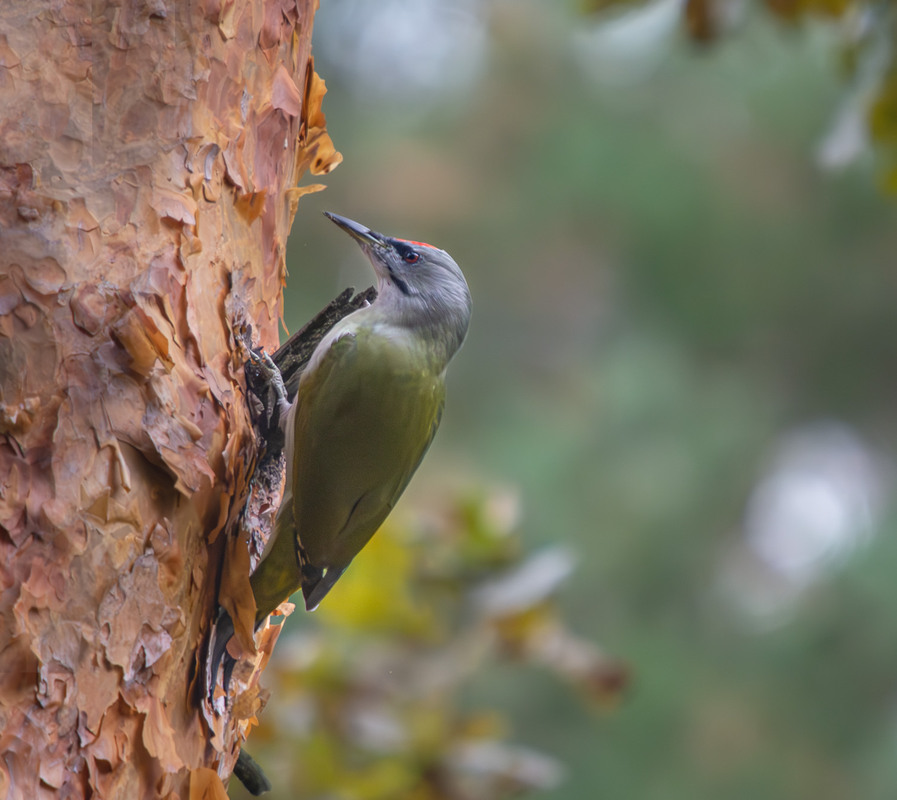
(419, 286)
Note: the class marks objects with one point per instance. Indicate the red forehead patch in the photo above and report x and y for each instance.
(419, 244)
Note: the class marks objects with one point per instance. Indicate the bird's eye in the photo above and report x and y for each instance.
(411, 257)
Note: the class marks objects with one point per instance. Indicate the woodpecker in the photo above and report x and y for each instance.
(365, 412)
(366, 409)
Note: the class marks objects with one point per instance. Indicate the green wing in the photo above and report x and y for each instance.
(365, 415)
(364, 421)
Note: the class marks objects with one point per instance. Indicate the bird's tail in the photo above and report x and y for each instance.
(250, 774)
(317, 582)
(222, 631)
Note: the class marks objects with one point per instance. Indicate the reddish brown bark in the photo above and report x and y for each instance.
(148, 157)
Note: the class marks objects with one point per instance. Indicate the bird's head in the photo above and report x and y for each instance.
(419, 283)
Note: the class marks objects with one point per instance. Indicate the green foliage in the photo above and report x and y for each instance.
(868, 32)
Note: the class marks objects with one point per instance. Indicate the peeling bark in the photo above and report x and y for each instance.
(149, 156)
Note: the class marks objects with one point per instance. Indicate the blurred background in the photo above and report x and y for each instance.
(668, 450)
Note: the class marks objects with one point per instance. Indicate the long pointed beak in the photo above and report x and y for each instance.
(362, 234)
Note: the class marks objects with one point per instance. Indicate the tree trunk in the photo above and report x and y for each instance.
(149, 152)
